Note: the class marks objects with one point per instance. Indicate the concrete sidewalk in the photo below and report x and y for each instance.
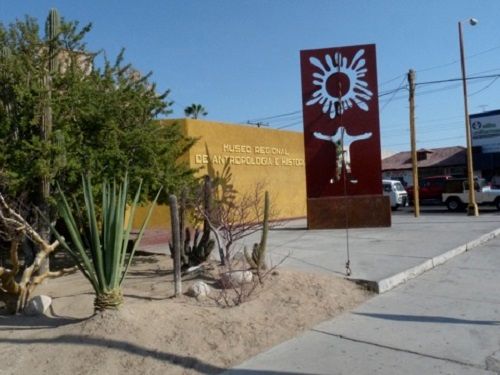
(381, 257)
(447, 321)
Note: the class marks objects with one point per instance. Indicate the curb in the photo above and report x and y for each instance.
(391, 282)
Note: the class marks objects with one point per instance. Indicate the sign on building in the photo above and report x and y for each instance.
(485, 131)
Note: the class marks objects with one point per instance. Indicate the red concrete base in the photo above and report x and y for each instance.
(363, 211)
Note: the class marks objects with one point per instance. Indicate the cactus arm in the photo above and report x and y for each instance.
(256, 260)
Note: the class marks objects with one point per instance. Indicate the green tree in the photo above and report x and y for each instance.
(65, 111)
(195, 111)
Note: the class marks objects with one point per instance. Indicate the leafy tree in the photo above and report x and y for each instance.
(72, 117)
(195, 111)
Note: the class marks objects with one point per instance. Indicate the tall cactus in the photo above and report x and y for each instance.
(6, 93)
(53, 24)
(52, 29)
(256, 260)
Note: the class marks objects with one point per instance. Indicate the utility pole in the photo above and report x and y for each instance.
(472, 209)
(411, 86)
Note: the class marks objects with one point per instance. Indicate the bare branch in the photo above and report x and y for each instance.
(9, 284)
(215, 231)
(16, 227)
(14, 247)
(22, 225)
(53, 274)
(237, 293)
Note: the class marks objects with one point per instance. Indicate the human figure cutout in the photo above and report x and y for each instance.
(342, 142)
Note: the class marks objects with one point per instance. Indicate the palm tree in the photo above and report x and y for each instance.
(195, 111)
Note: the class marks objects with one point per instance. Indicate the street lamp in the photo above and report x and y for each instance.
(472, 206)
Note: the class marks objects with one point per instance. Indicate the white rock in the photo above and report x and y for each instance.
(199, 290)
(38, 305)
(236, 278)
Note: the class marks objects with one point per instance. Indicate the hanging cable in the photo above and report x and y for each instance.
(342, 154)
(290, 125)
(456, 61)
(393, 95)
(274, 116)
(484, 88)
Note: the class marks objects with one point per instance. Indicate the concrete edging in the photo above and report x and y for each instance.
(391, 282)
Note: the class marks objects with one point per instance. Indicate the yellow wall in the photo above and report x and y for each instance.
(160, 218)
(272, 157)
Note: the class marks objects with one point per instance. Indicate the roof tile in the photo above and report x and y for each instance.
(436, 157)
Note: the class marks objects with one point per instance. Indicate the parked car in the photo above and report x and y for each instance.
(396, 193)
(430, 189)
(458, 199)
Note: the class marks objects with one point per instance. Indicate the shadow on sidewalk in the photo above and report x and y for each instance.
(428, 319)
(261, 372)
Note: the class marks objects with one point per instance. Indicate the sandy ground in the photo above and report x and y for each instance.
(154, 333)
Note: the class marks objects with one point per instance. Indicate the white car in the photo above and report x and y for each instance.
(485, 195)
(396, 193)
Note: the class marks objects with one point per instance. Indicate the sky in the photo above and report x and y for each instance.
(240, 58)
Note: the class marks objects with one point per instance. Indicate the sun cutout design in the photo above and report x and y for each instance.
(341, 84)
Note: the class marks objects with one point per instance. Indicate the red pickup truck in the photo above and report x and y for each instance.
(430, 189)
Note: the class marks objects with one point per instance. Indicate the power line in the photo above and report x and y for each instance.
(420, 93)
(433, 120)
(275, 116)
(484, 71)
(428, 128)
(437, 66)
(485, 87)
(446, 88)
(441, 65)
(290, 125)
(392, 92)
(449, 87)
(422, 129)
(287, 119)
(456, 61)
(457, 79)
(424, 141)
(393, 79)
(483, 52)
(392, 97)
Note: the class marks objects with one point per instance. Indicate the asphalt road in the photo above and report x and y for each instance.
(438, 208)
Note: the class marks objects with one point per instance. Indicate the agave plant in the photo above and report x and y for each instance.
(100, 242)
